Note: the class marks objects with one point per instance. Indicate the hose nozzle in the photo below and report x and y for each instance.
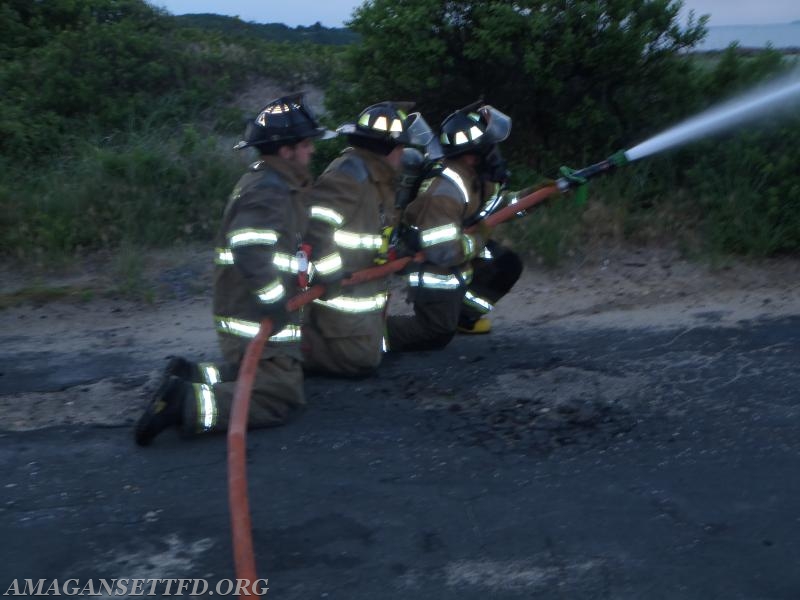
(571, 178)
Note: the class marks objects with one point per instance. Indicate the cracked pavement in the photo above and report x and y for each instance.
(547, 460)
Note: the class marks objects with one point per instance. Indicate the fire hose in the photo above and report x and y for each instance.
(241, 527)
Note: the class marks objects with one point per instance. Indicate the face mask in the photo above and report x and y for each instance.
(494, 167)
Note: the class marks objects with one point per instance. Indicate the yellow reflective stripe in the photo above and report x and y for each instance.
(327, 214)
(459, 183)
(286, 262)
(437, 235)
(438, 281)
(249, 329)
(206, 406)
(247, 237)
(209, 372)
(329, 264)
(476, 301)
(223, 256)
(348, 239)
(356, 305)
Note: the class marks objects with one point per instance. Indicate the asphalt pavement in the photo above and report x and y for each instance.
(543, 462)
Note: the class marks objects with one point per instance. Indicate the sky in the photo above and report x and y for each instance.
(333, 13)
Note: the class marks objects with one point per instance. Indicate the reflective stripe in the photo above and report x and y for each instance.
(351, 304)
(329, 264)
(272, 292)
(248, 237)
(486, 253)
(477, 302)
(249, 329)
(286, 262)
(348, 239)
(437, 235)
(290, 333)
(456, 179)
(206, 406)
(438, 281)
(469, 245)
(224, 256)
(209, 372)
(327, 214)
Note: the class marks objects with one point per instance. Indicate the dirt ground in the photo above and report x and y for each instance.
(611, 287)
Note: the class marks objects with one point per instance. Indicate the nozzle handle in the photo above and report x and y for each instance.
(579, 177)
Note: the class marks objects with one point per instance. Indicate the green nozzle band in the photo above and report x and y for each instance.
(618, 159)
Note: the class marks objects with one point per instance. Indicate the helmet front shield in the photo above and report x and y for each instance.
(498, 124)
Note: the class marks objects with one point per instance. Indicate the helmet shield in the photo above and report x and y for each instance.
(498, 124)
(416, 131)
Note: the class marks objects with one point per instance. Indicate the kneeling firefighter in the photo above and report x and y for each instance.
(352, 202)
(257, 269)
(464, 274)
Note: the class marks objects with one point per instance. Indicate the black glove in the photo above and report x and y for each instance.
(333, 286)
(276, 313)
(405, 241)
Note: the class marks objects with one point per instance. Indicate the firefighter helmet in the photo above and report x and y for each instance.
(390, 124)
(285, 120)
(474, 128)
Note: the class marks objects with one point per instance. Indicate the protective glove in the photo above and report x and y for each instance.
(580, 184)
(333, 285)
(404, 241)
(276, 313)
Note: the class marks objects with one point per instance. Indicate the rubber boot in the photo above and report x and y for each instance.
(165, 410)
(482, 325)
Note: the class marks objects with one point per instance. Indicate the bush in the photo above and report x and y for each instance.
(153, 188)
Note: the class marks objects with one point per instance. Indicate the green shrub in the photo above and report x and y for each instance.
(152, 188)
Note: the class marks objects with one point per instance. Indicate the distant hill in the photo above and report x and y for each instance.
(781, 36)
(273, 32)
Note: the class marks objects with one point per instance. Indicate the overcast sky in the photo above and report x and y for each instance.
(333, 13)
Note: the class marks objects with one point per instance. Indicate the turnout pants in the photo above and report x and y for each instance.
(338, 349)
(492, 278)
(276, 396)
(433, 324)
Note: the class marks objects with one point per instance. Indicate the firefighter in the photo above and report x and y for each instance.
(465, 274)
(255, 273)
(353, 202)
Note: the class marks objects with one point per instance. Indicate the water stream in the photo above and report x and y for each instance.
(767, 100)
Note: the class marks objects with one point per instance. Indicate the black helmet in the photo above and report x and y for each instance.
(285, 120)
(389, 124)
(474, 128)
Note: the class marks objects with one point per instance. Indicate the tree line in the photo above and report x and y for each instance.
(114, 111)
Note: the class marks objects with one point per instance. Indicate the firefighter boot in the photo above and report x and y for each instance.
(182, 368)
(165, 410)
(481, 325)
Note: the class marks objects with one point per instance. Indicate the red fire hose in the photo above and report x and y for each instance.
(241, 527)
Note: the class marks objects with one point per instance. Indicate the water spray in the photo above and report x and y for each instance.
(779, 94)
(753, 105)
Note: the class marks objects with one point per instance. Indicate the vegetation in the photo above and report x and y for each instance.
(116, 118)
(116, 124)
